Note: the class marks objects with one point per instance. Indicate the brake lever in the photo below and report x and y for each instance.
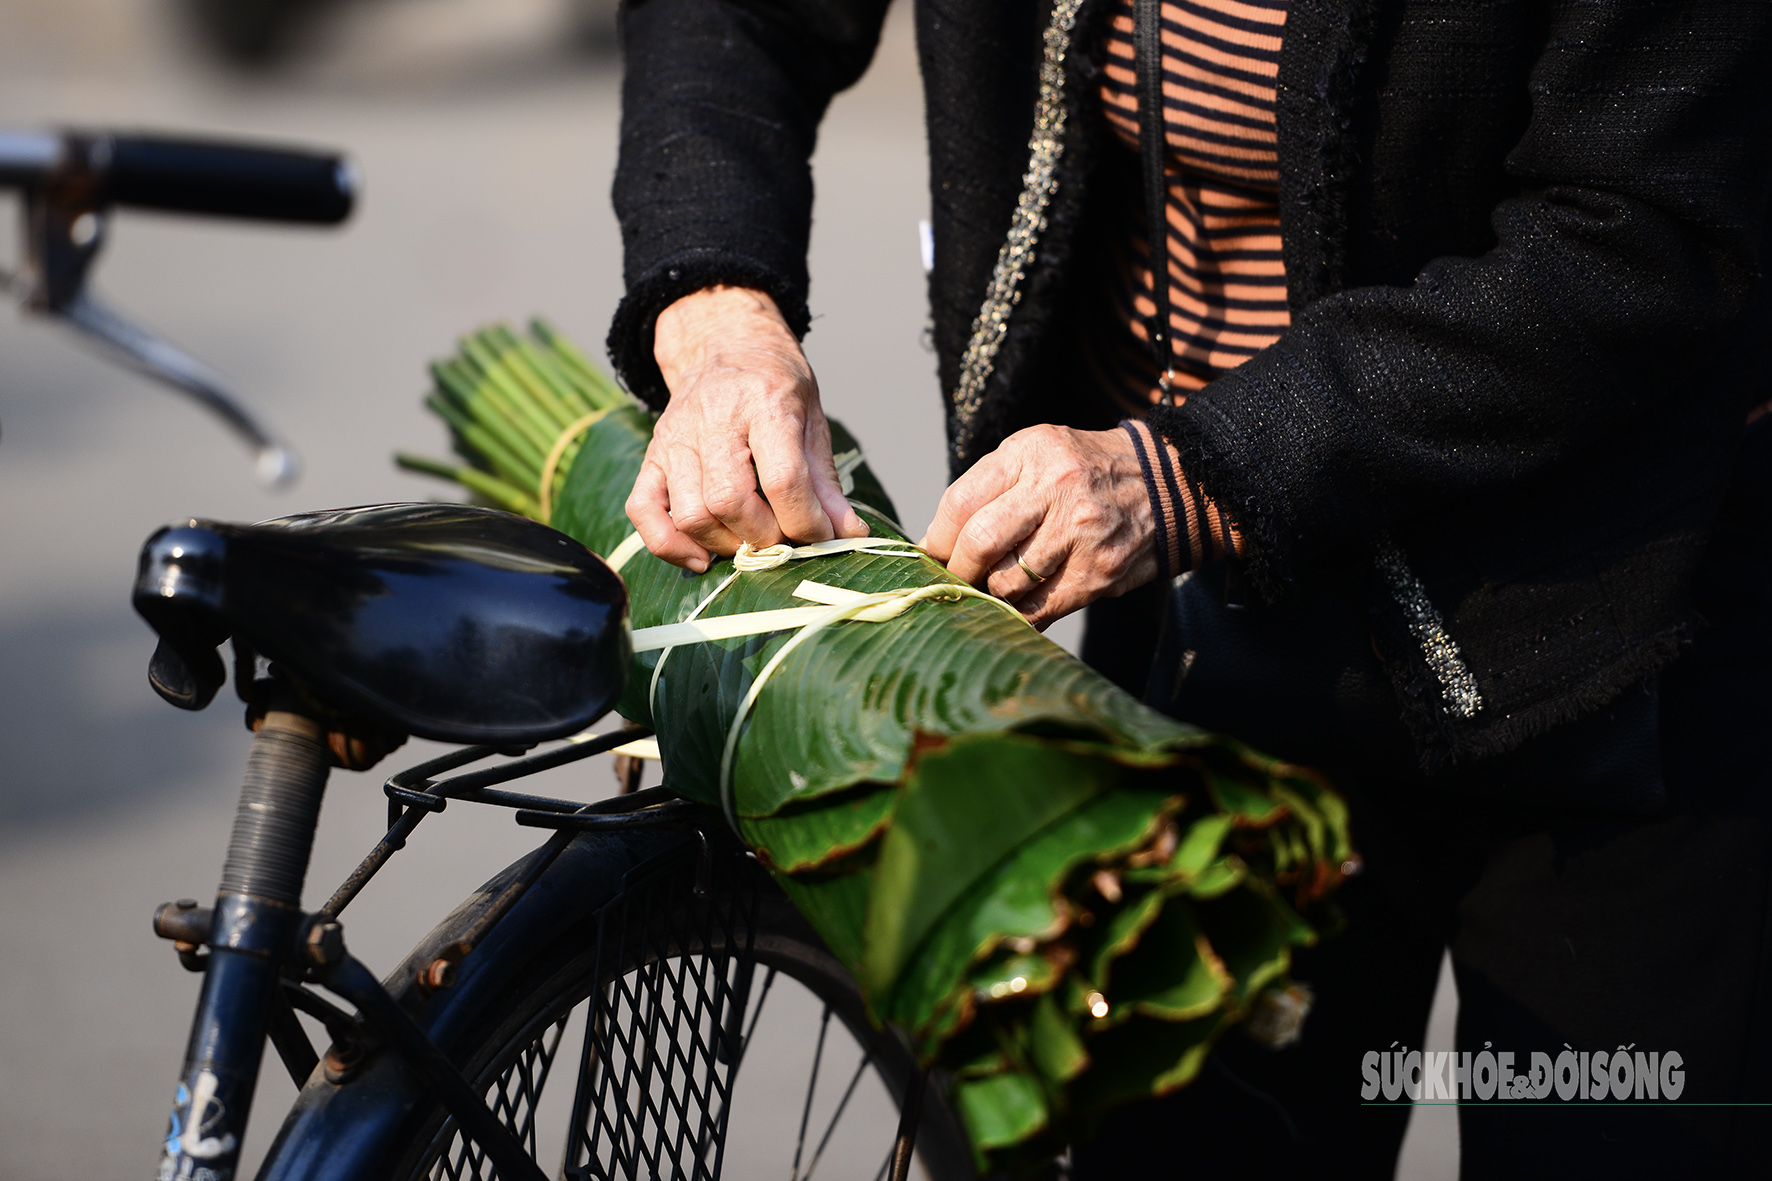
(65, 218)
(276, 463)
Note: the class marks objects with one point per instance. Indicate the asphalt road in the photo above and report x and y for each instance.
(486, 133)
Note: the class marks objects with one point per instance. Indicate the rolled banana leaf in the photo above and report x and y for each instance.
(1061, 895)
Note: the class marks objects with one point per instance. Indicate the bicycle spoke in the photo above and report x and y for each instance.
(738, 1000)
(824, 1025)
(755, 1014)
(701, 1149)
(866, 1060)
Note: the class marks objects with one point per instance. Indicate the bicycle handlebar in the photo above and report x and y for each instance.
(70, 179)
(232, 180)
(30, 157)
(188, 175)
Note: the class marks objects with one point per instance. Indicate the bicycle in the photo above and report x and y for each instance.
(640, 909)
(638, 927)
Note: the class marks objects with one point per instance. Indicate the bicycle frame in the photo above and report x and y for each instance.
(361, 1127)
(261, 945)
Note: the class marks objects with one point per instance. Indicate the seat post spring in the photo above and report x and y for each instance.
(279, 808)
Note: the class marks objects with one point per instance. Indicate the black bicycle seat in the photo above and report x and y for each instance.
(449, 622)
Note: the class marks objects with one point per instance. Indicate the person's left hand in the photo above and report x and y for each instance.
(1070, 504)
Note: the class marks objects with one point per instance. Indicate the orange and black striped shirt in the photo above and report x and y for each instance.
(1227, 281)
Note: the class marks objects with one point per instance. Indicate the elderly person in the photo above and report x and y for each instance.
(1382, 367)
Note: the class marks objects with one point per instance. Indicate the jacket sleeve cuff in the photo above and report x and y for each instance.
(630, 340)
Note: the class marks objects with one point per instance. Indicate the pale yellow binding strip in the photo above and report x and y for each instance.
(724, 627)
(639, 748)
(749, 560)
(572, 431)
(876, 608)
(621, 554)
(830, 596)
(846, 463)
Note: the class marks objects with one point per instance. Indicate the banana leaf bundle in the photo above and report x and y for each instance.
(1063, 896)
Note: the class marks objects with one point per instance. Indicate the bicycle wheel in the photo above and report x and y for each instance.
(631, 1043)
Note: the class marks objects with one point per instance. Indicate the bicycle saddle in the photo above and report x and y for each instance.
(459, 624)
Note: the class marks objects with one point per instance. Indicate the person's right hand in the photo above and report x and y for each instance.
(742, 452)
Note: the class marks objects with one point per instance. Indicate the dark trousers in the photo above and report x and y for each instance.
(1607, 886)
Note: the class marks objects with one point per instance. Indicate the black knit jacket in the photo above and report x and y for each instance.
(1522, 245)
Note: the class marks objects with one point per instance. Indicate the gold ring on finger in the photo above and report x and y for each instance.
(1029, 570)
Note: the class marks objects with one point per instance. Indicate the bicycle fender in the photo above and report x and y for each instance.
(355, 1130)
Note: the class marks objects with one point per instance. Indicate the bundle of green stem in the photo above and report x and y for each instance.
(1062, 896)
(517, 408)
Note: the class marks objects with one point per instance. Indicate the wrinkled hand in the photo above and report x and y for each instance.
(1071, 504)
(743, 451)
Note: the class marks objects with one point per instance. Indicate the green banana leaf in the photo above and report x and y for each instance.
(1063, 896)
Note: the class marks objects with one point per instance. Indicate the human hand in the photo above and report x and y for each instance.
(743, 451)
(1070, 504)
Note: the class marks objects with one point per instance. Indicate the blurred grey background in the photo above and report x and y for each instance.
(486, 134)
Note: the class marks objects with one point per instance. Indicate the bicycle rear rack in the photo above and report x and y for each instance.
(413, 794)
(419, 791)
